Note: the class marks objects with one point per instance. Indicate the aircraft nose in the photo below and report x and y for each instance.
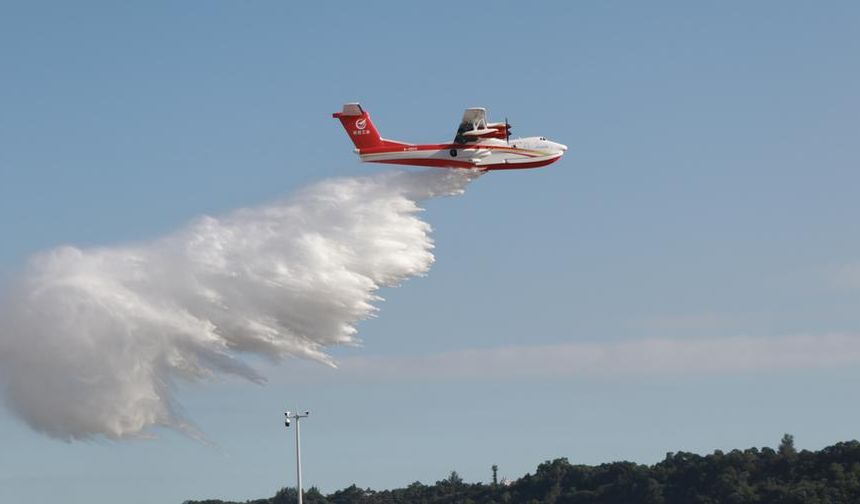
(562, 147)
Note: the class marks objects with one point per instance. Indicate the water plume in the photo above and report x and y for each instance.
(93, 341)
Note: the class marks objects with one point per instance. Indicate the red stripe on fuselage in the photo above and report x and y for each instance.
(447, 147)
(425, 147)
(445, 163)
(435, 163)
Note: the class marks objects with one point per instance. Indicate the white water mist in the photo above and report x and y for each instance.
(92, 341)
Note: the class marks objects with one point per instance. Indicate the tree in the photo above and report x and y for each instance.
(788, 476)
(786, 446)
(454, 479)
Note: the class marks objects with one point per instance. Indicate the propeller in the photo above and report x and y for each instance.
(507, 131)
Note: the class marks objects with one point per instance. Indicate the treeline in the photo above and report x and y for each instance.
(831, 475)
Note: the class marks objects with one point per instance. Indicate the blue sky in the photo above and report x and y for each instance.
(706, 212)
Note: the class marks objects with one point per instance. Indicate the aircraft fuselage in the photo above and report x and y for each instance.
(489, 154)
(477, 144)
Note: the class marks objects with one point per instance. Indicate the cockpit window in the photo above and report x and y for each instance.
(543, 138)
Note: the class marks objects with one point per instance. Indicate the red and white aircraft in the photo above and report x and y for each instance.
(477, 144)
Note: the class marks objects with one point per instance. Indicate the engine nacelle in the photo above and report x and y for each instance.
(481, 133)
(503, 130)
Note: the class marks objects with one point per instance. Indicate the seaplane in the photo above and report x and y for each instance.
(477, 145)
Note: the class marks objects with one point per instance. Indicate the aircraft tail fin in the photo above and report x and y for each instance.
(356, 121)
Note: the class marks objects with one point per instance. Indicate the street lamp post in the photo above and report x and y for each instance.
(297, 417)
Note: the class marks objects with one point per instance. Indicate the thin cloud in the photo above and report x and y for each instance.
(633, 358)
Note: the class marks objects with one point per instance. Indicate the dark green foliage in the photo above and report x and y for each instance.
(785, 476)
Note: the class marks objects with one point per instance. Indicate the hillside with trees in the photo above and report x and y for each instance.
(785, 475)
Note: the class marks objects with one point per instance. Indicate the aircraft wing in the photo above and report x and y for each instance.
(473, 125)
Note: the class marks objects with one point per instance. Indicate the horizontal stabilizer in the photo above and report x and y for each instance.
(349, 110)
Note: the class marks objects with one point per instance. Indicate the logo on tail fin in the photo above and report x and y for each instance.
(361, 123)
